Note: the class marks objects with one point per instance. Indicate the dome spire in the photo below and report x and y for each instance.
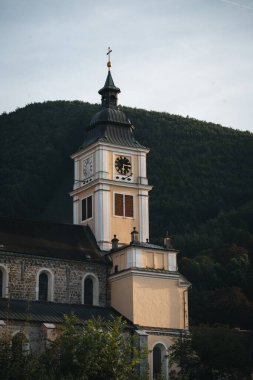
(109, 92)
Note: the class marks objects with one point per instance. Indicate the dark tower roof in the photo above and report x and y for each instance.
(110, 124)
(109, 85)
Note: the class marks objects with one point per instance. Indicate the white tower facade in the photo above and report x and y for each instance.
(111, 188)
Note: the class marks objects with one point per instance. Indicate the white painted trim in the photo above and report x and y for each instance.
(76, 174)
(75, 210)
(102, 214)
(50, 275)
(109, 148)
(95, 288)
(101, 163)
(172, 261)
(143, 273)
(143, 215)
(109, 182)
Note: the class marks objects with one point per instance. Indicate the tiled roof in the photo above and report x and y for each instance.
(50, 312)
(46, 239)
(113, 134)
(162, 330)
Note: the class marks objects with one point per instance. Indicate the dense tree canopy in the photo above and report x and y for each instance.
(96, 350)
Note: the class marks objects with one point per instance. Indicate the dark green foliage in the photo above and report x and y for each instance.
(36, 143)
(102, 350)
(212, 353)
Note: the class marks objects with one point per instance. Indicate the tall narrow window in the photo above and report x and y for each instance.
(157, 362)
(124, 205)
(88, 291)
(1, 283)
(160, 362)
(43, 287)
(87, 208)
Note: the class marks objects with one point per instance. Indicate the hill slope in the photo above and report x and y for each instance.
(202, 175)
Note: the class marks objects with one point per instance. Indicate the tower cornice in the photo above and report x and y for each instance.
(110, 183)
(114, 148)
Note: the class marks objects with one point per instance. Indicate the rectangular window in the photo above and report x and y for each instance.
(129, 206)
(87, 208)
(119, 207)
(124, 205)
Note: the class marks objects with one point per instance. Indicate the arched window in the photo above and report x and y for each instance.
(157, 362)
(3, 281)
(90, 289)
(160, 361)
(19, 344)
(43, 287)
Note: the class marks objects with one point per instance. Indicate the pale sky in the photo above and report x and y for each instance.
(185, 57)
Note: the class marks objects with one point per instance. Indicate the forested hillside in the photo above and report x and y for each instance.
(203, 185)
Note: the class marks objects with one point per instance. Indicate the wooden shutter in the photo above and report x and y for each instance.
(118, 204)
(129, 206)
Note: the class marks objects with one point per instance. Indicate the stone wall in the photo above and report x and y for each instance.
(67, 277)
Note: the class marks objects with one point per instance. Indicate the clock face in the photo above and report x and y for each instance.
(87, 167)
(123, 165)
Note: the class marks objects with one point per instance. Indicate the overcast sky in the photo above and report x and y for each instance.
(186, 57)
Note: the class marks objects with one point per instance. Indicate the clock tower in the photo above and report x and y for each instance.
(111, 189)
(110, 195)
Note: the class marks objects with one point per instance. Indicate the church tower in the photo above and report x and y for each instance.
(111, 196)
(111, 188)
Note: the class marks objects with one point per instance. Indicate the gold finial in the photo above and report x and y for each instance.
(109, 65)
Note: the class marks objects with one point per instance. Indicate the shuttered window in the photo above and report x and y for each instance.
(129, 206)
(119, 209)
(123, 205)
(87, 208)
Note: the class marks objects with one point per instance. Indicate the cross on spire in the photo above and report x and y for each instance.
(109, 64)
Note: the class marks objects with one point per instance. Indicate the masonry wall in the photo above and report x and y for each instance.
(67, 277)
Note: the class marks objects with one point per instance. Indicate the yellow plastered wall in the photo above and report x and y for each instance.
(122, 296)
(157, 302)
(150, 301)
